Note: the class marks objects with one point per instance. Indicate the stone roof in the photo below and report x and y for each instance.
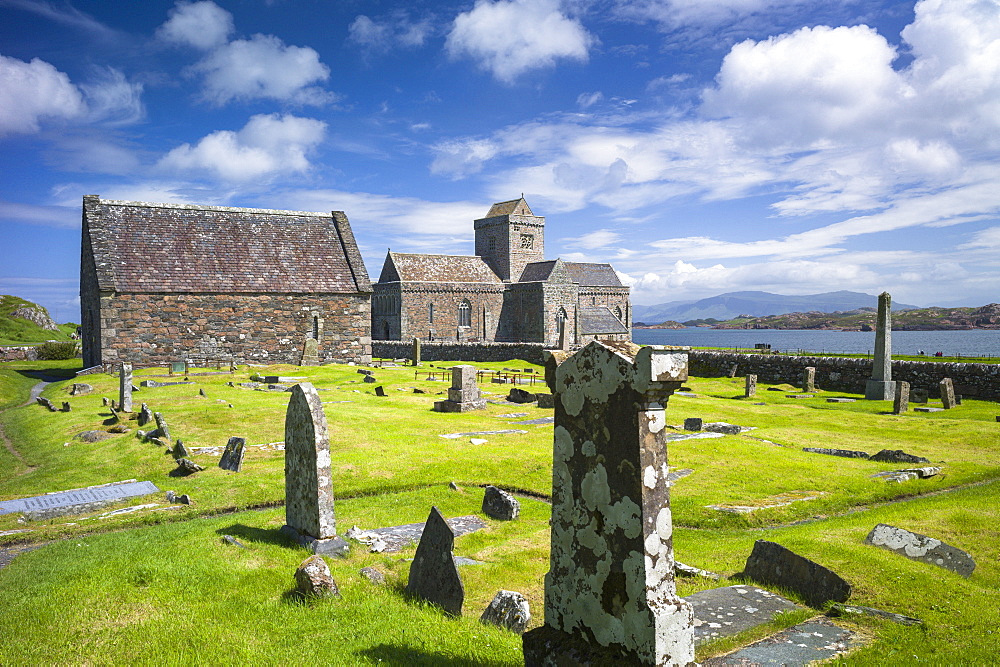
(145, 247)
(537, 271)
(599, 320)
(593, 275)
(411, 267)
(510, 208)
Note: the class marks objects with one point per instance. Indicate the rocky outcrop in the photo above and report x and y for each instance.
(37, 316)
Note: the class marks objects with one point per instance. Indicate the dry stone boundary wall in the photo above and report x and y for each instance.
(445, 351)
(845, 374)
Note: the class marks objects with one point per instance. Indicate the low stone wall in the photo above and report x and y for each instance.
(18, 354)
(844, 374)
(445, 351)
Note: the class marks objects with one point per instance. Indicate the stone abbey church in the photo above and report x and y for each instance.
(167, 282)
(506, 292)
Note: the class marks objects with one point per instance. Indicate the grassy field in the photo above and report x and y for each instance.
(161, 585)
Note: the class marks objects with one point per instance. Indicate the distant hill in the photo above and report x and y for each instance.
(22, 321)
(863, 319)
(756, 304)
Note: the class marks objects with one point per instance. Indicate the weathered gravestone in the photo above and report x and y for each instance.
(609, 592)
(310, 353)
(901, 402)
(313, 579)
(693, 423)
(500, 505)
(809, 378)
(416, 351)
(145, 415)
(433, 574)
(881, 387)
(772, 564)
(947, 393)
(81, 388)
(508, 609)
(463, 395)
(125, 388)
(750, 386)
(922, 548)
(232, 457)
(163, 431)
(309, 517)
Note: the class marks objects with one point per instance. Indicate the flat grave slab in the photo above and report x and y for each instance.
(513, 415)
(538, 422)
(928, 409)
(818, 639)
(77, 500)
(800, 396)
(672, 437)
(453, 436)
(397, 538)
(841, 400)
(723, 612)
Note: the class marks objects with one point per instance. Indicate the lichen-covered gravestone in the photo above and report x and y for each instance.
(922, 548)
(433, 575)
(309, 516)
(750, 386)
(902, 401)
(125, 388)
(609, 592)
(947, 393)
(809, 378)
(232, 457)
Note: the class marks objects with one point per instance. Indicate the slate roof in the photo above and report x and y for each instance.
(412, 267)
(508, 208)
(537, 271)
(145, 247)
(593, 275)
(599, 320)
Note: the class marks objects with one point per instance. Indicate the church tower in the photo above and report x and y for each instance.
(509, 237)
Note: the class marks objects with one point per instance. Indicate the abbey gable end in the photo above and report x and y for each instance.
(165, 282)
(507, 292)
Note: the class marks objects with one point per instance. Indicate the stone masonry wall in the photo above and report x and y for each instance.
(259, 328)
(443, 351)
(844, 374)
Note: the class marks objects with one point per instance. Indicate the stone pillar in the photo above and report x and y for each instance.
(809, 378)
(609, 593)
(308, 482)
(125, 388)
(563, 336)
(947, 394)
(750, 388)
(416, 351)
(463, 395)
(901, 403)
(881, 387)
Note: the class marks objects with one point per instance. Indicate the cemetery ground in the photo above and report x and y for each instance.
(161, 584)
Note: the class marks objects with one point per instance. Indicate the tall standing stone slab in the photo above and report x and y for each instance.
(750, 386)
(881, 387)
(433, 575)
(232, 457)
(125, 388)
(947, 393)
(416, 351)
(901, 403)
(308, 482)
(609, 593)
(809, 378)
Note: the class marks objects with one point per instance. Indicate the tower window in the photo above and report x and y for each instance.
(493, 244)
(464, 314)
(430, 314)
(527, 241)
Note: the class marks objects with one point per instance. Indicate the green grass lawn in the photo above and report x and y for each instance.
(160, 585)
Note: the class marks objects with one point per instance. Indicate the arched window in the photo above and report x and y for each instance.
(385, 331)
(618, 312)
(430, 313)
(561, 318)
(465, 314)
(315, 331)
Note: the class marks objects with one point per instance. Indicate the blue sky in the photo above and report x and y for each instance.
(792, 146)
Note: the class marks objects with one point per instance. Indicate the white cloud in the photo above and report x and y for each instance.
(112, 99)
(263, 67)
(203, 25)
(511, 37)
(268, 145)
(462, 157)
(65, 217)
(600, 238)
(988, 238)
(395, 31)
(587, 100)
(31, 91)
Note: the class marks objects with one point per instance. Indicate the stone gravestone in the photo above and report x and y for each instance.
(947, 394)
(125, 388)
(901, 403)
(416, 351)
(433, 574)
(750, 388)
(161, 426)
(145, 415)
(920, 547)
(310, 353)
(773, 564)
(809, 378)
(609, 592)
(508, 609)
(500, 505)
(463, 395)
(309, 517)
(881, 387)
(232, 457)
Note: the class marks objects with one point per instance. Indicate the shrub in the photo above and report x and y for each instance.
(53, 350)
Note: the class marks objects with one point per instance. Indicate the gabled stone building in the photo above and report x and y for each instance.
(165, 282)
(507, 292)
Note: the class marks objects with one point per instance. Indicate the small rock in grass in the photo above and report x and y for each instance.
(508, 609)
(373, 575)
(500, 505)
(313, 579)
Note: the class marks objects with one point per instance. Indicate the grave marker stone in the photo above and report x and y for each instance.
(773, 564)
(145, 415)
(232, 457)
(901, 403)
(500, 505)
(693, 423)
(947, 394)
(750, 386)
(809, 378)
(609, 593)
(881, 387)
(125, 388)
(433, 574)
(508, 609)
(463, 395)
(416, 351)
(922, 548)
(161, 425)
